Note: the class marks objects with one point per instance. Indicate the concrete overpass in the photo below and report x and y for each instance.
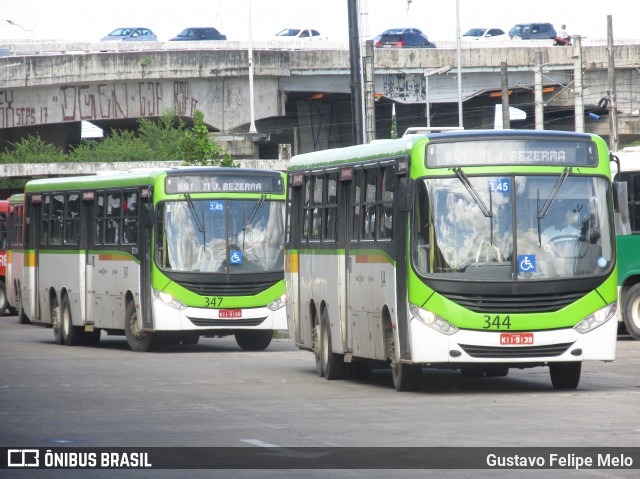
(302, 94)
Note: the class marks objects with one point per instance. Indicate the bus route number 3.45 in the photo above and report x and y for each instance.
(496, 322)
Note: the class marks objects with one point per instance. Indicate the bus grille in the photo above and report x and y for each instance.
(227, 323)
(515, 352)
(228, 289)
(535, 303)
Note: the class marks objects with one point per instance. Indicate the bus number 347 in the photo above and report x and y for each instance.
(212, 302)
(496, 322)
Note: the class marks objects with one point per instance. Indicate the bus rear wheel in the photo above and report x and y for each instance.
(565, 375)
(333, 364)
(22, 317)
(3, 298)
(257, 340)
(71, 335)
(138, 340)
(632, 311)
(56, 322)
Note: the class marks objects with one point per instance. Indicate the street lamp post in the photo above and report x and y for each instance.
(11, 22)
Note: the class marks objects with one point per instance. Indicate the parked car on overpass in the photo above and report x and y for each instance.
(197, 34)
(130, 34)
(403, 38)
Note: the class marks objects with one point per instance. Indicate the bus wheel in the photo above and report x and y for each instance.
(56, 322)
(22, 317)
(565, 375)
(317, 352)
(3, 298)
(332, 364)
(406, 377)
(71, 335)
(257, 340)
(138, 340)
(632, 311)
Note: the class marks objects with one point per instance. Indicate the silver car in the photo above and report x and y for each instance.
(131, 34)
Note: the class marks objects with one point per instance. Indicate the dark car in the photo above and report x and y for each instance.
(130, 34)
(403, 38)
(533, 31)
(198, 34)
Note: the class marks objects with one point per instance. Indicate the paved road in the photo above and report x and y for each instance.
(214, 394)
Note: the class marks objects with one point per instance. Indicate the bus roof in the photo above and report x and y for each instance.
(137, 177)
(403, 146)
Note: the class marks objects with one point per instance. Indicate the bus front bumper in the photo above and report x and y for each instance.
(429, 346)
(170, 319)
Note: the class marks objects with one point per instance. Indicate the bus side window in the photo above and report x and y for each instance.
(306, 219)
(57, 219)
(316, 221)
(357, 201)
(72, 219)
(369, 223)
(130, 235)
(99, 219)
(3, 231)
(387, 188)
(112, 223)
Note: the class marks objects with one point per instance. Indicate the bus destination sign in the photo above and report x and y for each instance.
(224, 184)
(512, 152)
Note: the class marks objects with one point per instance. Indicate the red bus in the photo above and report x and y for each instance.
(4, 210)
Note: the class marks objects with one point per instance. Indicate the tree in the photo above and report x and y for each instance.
(32, 149)
(198, 149)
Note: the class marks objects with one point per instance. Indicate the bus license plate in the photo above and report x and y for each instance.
(230, 313)
(516, 338)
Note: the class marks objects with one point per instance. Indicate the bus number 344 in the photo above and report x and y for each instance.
(496, 322)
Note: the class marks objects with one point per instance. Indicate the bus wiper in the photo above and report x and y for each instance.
(192, 208)
(256, 207)
(472, 191)
(554, 192)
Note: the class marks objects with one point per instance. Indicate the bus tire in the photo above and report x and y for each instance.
(4, 305)
(71, 335)
(631, 311)
(257, 340)
(332, 364)
(56, 322)
(406, 377)
(565, 375)
(22, 317)
(317, 350)
(138, 340)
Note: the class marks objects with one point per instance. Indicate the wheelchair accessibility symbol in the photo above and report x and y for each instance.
(235, 257)
(527, 263)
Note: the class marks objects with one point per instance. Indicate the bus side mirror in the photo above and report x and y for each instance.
(406, 187)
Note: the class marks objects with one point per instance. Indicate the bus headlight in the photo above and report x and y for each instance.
(169, 300)
(596, 319)
(277, 304)
(432, 320)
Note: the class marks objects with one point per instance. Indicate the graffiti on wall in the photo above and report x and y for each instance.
(97, 101)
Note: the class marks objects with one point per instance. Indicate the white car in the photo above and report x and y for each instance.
(299, 34)
(485, 34)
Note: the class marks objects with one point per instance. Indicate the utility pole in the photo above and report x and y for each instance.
(613, 107)
(369, 93)
(356, 72)
(539, 105)
(504, 80)
(578, 99)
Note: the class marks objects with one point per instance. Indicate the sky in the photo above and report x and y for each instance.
(82, 20)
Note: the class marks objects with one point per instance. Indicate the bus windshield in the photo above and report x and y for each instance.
(221, 235)
(464, 227)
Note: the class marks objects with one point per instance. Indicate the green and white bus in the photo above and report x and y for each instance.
(472, 250)
(628, 243)
(161, 255)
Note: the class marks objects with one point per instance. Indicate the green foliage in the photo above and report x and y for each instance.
(122, 145)
(32, 149)
(198, 149)
(167, 139)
